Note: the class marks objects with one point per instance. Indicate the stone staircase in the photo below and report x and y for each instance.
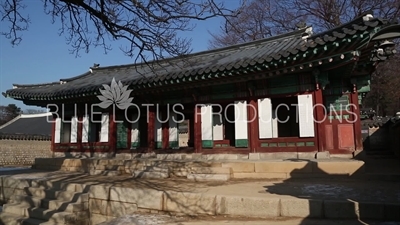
(43, 205)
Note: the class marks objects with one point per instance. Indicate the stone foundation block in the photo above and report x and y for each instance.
(180, 172)
(150, 174)
(306, 155)
(260, 175)
(211, 170)
(142, 197)
(371, 210)
(169, 156)
(100, 191)
(189, 203)
(304, 208)
(97, 206)
(254, 156)
(278, 155)
(322, 155)
(202, 164)
(98, 218)
(345, 167)
(113, 162)
(209, 177)
(117, 209)
(247, 206)
(123, 156)
(10, 182)
(283, 167)
(340, 209)
(240, 167)
(220, 157)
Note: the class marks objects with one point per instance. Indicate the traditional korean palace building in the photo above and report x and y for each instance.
(296, 92)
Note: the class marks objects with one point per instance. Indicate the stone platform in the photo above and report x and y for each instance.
(114, 196)
(205, 167)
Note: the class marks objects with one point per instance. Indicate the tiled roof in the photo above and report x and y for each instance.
(28, 126)
(264, 55)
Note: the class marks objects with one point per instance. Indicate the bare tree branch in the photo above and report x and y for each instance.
(263, 18)
(148, 28)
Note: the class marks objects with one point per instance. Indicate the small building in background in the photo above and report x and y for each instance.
(24, 138)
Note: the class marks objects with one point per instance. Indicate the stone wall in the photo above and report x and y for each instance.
(23, 152)
(108, 201)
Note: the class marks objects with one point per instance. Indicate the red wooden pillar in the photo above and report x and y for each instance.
(320, 118)
(356, 119)
(151, 129)
(165, 127)
(252, 110)
(197, 128)
(112, 136)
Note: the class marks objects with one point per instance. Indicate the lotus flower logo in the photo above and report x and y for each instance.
(117, 94)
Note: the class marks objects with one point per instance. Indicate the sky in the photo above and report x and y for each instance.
(43, 56)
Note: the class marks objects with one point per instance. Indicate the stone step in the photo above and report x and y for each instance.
(29, 200)
(45, 184)
(150, 174)
(64, 206)
(110, 167)
(156, 169)
(55, 194)
(105, 172)
(211, 170)
(52, 216)
(36, 202)
(180, 172)
(11, 219)
(209, 177)
(20, 209)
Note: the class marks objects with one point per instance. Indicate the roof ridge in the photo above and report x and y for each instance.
(62, 80)
(77, 77)
(36, 115)
(34, 85)
(10, 122)
(205, 52)
(351, 22)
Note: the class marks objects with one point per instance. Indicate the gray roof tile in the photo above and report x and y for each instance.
(28, 125)
(224, 59)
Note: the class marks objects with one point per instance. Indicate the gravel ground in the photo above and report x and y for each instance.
(336, 189)
(138, 219)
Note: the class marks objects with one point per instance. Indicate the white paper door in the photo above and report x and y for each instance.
(85, 129)
(135, 133)
(206, 126)
(241, 134)
(104, 127)
(74, 129)
(265, 118)
(306, 115)
(57, 132)
(218, 128)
